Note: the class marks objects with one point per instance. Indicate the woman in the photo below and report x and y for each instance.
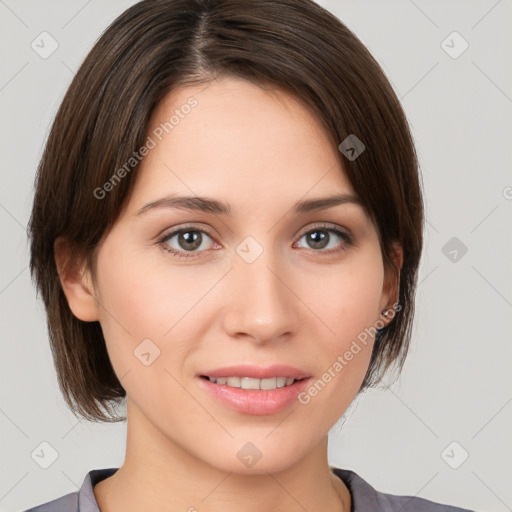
(226, 233)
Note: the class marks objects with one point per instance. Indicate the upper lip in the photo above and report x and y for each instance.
(257, 372)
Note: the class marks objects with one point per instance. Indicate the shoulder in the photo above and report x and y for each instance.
(82, 500)
(67, 503)
(367, 499)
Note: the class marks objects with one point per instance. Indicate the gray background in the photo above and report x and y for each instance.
(456, 385)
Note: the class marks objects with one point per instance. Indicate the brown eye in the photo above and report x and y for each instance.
(326, 239)
(187, 240)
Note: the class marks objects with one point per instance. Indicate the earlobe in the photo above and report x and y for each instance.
(76, 282)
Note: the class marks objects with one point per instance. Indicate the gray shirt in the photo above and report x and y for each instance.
(364, 497)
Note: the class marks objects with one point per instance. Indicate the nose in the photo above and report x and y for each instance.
(261, 303)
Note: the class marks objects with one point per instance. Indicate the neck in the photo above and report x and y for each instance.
(158, 474)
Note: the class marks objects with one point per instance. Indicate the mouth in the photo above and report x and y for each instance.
(253, 383)
(253, 389)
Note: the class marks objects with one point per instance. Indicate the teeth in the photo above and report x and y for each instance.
(250, 383)
(234, 382)
(266, 383)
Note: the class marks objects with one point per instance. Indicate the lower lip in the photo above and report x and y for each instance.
(253, 401)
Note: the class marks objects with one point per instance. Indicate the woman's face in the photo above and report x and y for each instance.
(263, 284)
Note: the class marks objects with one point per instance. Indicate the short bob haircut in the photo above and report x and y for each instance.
(154, 47)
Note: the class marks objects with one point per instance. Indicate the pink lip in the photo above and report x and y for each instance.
(257, 372)
(253, 401)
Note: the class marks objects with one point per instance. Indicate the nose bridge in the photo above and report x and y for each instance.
(261, 305)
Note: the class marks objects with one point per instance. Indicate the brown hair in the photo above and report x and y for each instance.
(152, 48)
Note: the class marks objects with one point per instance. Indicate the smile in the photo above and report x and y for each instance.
(252, 383)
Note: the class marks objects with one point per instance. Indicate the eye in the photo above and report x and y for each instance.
(320, 237)
(188, 240)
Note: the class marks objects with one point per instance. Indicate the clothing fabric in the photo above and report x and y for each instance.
(364, 497)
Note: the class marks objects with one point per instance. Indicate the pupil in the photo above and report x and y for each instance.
(193, 240)
(318, 242)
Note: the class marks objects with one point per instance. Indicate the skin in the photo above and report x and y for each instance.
(260, 151)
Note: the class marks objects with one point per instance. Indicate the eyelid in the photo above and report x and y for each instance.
(164, 233)
(327, 226)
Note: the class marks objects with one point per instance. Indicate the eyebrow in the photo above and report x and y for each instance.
(209, 205)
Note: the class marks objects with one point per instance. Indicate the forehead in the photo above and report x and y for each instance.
(240, 142)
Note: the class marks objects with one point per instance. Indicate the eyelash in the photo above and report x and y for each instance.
(347, 240)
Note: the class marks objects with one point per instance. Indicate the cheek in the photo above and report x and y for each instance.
(127, 305)
(347, 298)
(143, 299)
(139, 296)
(348, 308)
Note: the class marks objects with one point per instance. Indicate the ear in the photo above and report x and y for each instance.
(391, 286)
(76, 281)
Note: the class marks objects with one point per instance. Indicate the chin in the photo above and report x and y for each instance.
(255, 458)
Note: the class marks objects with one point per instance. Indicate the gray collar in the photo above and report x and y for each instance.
(364, 497)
